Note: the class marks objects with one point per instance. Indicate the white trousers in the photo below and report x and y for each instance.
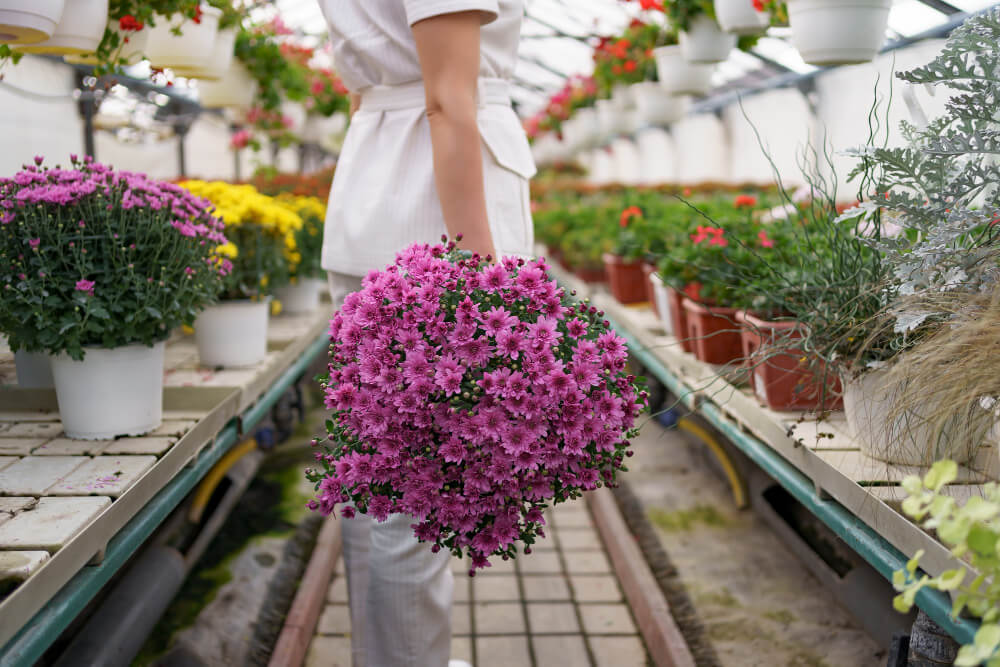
(400, 593)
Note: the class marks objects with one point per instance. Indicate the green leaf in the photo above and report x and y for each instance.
(950, 580)
(982, 540)
(941, 473)
(911, 484)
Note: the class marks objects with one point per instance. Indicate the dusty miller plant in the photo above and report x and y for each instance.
(941, 188)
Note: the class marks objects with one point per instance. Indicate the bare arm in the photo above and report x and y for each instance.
(448, 48)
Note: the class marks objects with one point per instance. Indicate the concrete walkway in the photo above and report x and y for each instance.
(561, 605)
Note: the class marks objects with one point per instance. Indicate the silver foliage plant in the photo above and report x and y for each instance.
(941, 188)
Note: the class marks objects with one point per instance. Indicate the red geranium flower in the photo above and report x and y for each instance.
(747, 201)
(628, 214)
(764, 241)
(130, 23)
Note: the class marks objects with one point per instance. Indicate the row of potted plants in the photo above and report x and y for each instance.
(98, 268)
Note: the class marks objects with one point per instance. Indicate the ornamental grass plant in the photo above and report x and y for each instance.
(263, 247)
(95, 257)
(471, 396)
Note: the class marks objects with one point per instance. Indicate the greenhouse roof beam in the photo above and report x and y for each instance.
(942, 6)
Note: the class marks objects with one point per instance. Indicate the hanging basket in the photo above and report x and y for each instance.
(235, 89)
(705, 42)
(192, 48)
(838, 32)
(132, 50)
(656, 106)
(738, 17)
(679, 77)
(79, 31)
(218, 63)
(29, 21)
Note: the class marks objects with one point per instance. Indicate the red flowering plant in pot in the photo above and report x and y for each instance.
(471, 397)
(784, 376)
(624, 262)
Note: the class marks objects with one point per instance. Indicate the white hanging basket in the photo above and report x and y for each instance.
(590, 127)
(111, 392)
(218, 63)
(655, 106)
(80, 29)
(192, 48)
(906, 439)
(34, 370)
(233, 334)
(740, 18)
(302, 297)
(678, 76)
(235, 89)
(295, 113)
(612, 119)
(132, 49)
(838, 32)
(621, 97)
(705, 42)
(29, 21)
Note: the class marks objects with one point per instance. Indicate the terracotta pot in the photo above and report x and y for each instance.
(590, 275)
(678, 317)
(647, 272)
(781, 380)
(627, 282)
(714, 332)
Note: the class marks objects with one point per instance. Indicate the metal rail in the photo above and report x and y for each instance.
(45, 627)
(867, 543)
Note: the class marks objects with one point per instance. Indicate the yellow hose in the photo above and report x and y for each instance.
(735, 481)
(207, 486)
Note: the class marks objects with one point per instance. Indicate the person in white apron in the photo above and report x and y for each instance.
(434, 147)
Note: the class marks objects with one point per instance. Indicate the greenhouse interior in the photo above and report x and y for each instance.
(487, 333)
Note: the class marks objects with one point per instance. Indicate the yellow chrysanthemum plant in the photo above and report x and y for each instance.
(309, 238)
(263, 238)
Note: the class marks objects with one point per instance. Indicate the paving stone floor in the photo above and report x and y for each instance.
(561, 605)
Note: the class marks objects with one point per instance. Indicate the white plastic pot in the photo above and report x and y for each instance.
(132, 47)
(906, 439)
(29, 21)
(294, 112)
(739, 17)
(34, 370)
(662, 303)
(621, 96)
(612, 119)
(302, 297)
(655, 106)
(235, 89)
(838, 32)
(233, 334)
(590, 126)
(218, 63)
(80, 29)
(678, 76)
(111, 392)
(705, 42)
(194, 45)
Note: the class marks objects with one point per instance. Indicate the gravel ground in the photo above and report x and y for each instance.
(757, 604)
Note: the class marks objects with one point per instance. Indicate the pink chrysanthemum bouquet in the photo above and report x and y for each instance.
(471, 396)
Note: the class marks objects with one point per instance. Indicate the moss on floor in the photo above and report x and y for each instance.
(782, 616)
(719, 598)
(686, 519)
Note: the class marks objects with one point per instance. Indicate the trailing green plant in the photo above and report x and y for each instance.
(972, 532)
